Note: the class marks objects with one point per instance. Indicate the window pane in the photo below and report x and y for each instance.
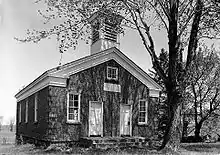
(109, 74)
(76, 103)
(71, 110)
(142, 114)
(112, 73)
(142, 109)
(70, 103)
(76, 97)
(71, 97)
(75, 116)
(141, 119)
(71, 116)
(142, 104)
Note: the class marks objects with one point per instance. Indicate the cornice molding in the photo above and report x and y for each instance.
(39, 84)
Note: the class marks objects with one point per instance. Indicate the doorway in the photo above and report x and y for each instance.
(95, 118)
(125, 120)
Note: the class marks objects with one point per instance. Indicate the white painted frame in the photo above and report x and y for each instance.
(90, 102)
(131, 107)
(35, 107)
(26, 111)
(146, 116)
(110, 78)
(19, 113)
(79, 103)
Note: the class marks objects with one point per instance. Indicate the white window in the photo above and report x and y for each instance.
(112, 73)
(26, 112)
(142, 112)
(35, 107)
(73, 108)
(19, 117)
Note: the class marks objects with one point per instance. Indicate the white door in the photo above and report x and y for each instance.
(95, 119)
(125, 120)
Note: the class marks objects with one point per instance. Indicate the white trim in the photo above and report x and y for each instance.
(19, 117)
(131, 120)
(146, 115)
(79, 108)
(47, 81)
(35, 107)
(90, 102)
(26, 111)
(154, 93)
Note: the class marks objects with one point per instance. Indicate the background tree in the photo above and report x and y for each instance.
(11, 123)
(203, 91)
(1, 121)
(185, 21)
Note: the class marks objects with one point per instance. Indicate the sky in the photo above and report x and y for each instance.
(21, 63)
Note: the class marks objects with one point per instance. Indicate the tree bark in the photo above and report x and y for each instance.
(173, 131)
(198, 127)
(185, 126)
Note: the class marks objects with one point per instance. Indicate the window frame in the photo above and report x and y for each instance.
(146, 112)
(36, 107)
(79, 107)
(19, 117)
(26, 111)
(111, 78)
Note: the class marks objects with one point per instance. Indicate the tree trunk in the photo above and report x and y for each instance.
(198, 127)
(185, 126)
(173, 131)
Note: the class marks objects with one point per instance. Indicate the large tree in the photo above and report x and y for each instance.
(203, 90)
(185, 21)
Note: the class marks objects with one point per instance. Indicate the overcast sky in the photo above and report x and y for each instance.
(21, 63)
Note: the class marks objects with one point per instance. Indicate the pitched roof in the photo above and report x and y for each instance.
(57, 76)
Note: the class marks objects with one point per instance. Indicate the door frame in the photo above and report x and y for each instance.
(121, 105)
(90, 103)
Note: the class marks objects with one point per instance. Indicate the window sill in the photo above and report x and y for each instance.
(142, 124)
(112, 79)
(71, 122)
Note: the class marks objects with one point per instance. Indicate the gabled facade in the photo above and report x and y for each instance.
(104, 94)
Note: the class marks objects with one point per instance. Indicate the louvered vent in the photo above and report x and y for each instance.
(104, 30)
(95, 33)
(110, 32)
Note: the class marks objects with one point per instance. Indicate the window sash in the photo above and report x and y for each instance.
(142, 112)
(73, 107)
(112, 73)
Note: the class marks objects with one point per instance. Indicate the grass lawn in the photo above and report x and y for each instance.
(8, 147)
(186, 149)
(209, 148)
(7, 137)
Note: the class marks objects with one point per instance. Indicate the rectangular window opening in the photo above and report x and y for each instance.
(112, 73)
(142, 112)
(73, 108)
